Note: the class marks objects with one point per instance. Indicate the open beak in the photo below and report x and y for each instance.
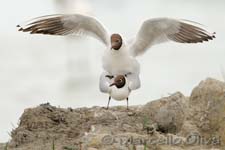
(112, 84)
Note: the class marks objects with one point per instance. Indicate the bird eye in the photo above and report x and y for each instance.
(117, 41)
(121, 80)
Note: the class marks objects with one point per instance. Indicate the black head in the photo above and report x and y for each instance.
(119, 81)
(116, 41)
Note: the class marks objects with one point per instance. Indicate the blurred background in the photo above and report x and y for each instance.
(64, 71)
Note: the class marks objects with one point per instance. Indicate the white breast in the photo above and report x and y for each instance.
(120, 62)
(119, 94)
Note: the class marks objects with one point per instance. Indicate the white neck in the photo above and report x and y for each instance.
(122, 51)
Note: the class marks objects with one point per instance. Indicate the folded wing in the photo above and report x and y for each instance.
(134, 81)
(155, 31)
(67, 25)
(104, 83)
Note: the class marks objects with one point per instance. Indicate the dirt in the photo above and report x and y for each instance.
(175, 122)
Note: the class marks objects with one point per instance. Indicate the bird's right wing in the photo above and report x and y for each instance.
(104, 83)
(67, 25)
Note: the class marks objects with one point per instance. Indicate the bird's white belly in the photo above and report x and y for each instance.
(119, 94)
(120, 64)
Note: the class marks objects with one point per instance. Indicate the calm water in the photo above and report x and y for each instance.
(65, 71)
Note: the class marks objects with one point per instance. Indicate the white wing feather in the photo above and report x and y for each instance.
(104, 83)
(67, 25)
(134, 81)
(158, 30)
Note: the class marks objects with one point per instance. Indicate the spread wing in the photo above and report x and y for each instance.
(66, 25)
(158, 30)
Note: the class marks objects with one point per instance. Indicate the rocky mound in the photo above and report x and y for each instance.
(175, 122)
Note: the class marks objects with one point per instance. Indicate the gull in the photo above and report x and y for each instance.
(120, 55)
(117, 87)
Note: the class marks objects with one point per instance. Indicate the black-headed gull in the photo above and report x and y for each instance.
(120, 57)
(118, 88)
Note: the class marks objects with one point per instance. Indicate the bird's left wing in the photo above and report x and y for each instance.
(134, 81)
(158, 30)
(67, 25)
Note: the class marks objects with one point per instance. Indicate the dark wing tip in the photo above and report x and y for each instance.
(214, 35)
(20, 28)
(51, 26)
(194, 34)
(211, 37)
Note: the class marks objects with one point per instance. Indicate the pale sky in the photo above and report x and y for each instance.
(35, 69)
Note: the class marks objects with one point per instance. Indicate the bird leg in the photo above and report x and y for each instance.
(127, 104)
(108, 102)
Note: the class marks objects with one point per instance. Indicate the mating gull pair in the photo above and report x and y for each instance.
(121, 68)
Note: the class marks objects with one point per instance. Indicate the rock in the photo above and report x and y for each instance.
(90, 148)
(207, 102)
(2, 146)
(175, 122)
(168, 113)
